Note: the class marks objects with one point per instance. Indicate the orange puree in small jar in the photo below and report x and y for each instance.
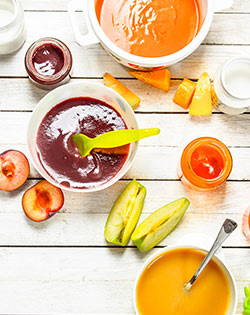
(149, 28)
(205, 163)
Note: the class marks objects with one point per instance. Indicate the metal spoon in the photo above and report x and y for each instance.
(111, 139)
(227, 228)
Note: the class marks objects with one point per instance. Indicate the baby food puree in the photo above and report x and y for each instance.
(149, 28)
(61, 158)
(160, 288)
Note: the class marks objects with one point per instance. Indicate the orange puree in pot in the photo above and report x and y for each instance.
(160, 288)
(149, 28)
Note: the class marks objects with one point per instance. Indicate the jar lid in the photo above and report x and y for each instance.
(235, 77)
(62, 52)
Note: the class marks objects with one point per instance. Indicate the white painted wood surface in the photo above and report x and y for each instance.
(64, 265)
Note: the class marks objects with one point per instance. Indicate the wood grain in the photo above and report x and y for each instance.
(176, 129)
(224, 29)
(84, 269)
(93, 62)
(152, 100)
(70, 280)
(82, 219)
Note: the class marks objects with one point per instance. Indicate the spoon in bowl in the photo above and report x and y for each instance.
(227, 228)
(111, 139)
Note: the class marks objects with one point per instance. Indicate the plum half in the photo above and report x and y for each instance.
(42, 201)
(14, 170)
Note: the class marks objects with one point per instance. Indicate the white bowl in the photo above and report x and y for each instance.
(80, 89)
(96, 34)
(218, 258)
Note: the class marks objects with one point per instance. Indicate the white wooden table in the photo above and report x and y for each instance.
(64, 265)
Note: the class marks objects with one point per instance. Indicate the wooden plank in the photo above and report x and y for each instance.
(31, 95)
(45, 5)
(158, 193)
(144, 166)
(241, 6)
(225, 29)
(152, 99)
(69, 280)
(82, 219)
(93, 61)
(176, 129)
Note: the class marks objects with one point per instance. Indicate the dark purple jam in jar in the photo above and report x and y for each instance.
(48, 62)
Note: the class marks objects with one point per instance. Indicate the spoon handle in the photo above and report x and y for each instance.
(118, 138)
(227, 228)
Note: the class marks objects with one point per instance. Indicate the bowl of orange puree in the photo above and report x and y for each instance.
(159, 284)
(145, 34)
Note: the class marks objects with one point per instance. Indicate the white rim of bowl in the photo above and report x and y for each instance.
(46, 176)
(155, 61)
(181, 246)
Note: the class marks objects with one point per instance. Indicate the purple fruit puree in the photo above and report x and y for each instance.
(61, 158)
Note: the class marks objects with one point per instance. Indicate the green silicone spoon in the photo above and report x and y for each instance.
(111, 139)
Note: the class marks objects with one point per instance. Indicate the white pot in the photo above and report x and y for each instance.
(96, 34)
(199, 242)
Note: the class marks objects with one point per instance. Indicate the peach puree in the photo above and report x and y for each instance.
(152, 28)
(160, 287)
(207, 161)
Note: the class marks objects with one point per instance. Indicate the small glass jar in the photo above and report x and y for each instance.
(12, 29)
(205, 164)
(232, 86)
(48, 63)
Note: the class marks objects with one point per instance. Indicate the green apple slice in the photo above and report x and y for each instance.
(159, 224)
(125, 214)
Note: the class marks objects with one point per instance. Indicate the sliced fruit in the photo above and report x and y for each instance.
(42, 200)
(246, 223)
(125, 214)
(159, 224)
(184, 93)
(201, 104)
(159, 78)
(214, 97)
(117, 86)
(14, 170)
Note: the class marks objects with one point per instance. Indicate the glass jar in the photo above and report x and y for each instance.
(205, 164)
(12, 29)
(48, 63)
(231, 86)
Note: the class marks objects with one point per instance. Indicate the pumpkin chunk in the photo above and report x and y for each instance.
(184, 93)
(159, 78)
(117, 86)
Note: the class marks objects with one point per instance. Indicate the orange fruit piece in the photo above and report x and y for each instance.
(184, 93)
(159, 78)
(117, 86)
(201, 104)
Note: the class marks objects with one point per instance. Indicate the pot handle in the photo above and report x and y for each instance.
(89, 38)
(222, 4)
